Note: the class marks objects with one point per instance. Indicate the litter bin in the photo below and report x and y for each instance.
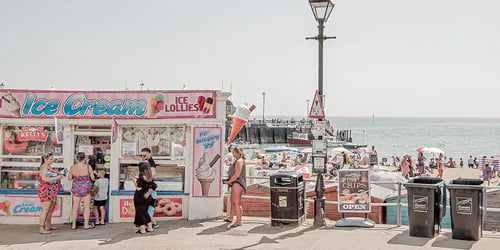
(425, 205)
(466, 200)
(374, 159)
(287, 198)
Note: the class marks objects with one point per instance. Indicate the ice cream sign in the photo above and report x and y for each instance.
(107, 104)
(25, 206)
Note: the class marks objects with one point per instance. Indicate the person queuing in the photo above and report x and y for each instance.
(101, 197)
(48, 187)
(237, 182)
(143, 198)
(81, 175)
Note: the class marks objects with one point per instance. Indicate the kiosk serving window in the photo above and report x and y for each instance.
(166, 144)
(22, 147)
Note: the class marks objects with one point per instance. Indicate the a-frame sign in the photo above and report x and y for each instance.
(316, 110)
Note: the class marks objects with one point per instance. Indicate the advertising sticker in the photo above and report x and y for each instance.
(166, 207)
(25, 206)
(207, 163)
(354, 191)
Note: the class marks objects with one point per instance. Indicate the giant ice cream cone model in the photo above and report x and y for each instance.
(240, 118)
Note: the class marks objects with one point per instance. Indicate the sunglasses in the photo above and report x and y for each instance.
(144, 156)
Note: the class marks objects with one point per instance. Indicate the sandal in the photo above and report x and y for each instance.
(228, 220)
(150, 230)
(89, 227)
(139, 232)
(235, 225)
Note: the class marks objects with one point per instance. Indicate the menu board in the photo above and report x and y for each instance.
(354, 191)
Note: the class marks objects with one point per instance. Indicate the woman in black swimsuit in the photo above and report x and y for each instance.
(237, 181)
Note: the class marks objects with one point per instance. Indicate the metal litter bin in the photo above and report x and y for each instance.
(466, 200)
(425, 205)
(287, 198)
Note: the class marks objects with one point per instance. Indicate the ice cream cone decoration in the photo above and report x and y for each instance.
(240, 118)
(205, 186)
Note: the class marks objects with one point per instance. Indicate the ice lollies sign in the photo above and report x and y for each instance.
(206, 162)
(107, 104)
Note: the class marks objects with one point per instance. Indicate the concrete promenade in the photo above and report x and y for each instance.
(256, 233)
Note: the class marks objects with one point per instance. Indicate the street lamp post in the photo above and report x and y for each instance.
(321, 10)
(307, 108)
(263, 106)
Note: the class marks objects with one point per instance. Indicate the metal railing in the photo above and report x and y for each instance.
(398, 204)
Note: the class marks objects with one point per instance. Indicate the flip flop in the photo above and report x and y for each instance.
(139, 232)
(87, 228)
(150, 231)
(234, 225)
(45, 232)
(227, 220)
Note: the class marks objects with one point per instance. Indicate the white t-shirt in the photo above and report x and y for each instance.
(470, 161)
(102, 193)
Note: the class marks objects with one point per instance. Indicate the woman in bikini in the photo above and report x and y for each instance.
(82, 176)
(47, 192)
(237, 181)
(440, 166)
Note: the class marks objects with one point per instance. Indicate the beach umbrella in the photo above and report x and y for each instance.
(378, 168)
(280, 149)
(362, 151)
(387, 176)
(339, 150)
(304, 169)
(306, 150)
(430, 150)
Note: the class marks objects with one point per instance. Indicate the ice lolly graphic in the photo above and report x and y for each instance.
(207, 106)
(240, 118)
(201, 102)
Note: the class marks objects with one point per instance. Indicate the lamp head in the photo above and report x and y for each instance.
(321, 9)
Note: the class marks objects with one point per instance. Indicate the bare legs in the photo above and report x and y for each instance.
(86, 210)
(96, 213)
(48, 220)
(440, 172)
(43, 217)
(236, 193)
(74, 211)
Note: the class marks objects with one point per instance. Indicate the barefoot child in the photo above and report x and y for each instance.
(101, 197)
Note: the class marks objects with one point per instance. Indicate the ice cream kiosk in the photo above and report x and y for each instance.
(183, 130)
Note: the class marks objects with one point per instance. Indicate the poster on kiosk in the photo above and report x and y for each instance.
(207, 165)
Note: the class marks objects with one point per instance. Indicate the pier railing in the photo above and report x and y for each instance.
(398, 203)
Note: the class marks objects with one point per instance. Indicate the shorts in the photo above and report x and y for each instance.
(100, 203)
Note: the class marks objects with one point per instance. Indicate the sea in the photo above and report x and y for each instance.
(398, 136)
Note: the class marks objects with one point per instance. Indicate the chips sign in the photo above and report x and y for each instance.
(354, 191)
(317, 110)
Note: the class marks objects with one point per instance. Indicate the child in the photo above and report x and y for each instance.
(101, 197)
(151, 208)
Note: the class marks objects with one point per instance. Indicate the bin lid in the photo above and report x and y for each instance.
(465, 184)
(294, 174)
(425, 180)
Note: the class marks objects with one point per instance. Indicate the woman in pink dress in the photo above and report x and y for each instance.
(48, 187)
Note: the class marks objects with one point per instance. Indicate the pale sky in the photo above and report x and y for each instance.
(390, 58)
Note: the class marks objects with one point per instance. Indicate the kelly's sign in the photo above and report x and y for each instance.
(354, 190)
(107, 104)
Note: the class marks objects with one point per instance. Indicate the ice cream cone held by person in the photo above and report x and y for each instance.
(240, 118)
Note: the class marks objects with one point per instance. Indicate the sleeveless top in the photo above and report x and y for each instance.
(242, 179)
